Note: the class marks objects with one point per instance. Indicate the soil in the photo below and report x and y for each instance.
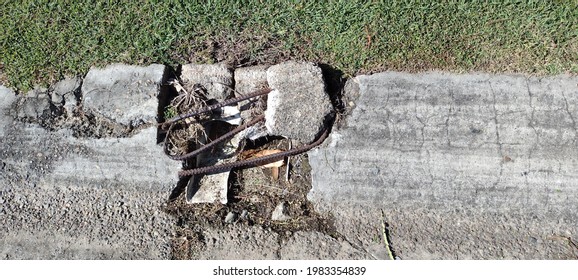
(253, 195)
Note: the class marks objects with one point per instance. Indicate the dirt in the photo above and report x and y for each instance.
(253, 195)
(247, 50)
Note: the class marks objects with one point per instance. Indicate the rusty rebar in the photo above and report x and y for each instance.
(254, 161)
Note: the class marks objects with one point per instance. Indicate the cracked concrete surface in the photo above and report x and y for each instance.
(464, 166)
(90, 197)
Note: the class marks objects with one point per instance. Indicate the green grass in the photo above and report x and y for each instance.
(42, 41)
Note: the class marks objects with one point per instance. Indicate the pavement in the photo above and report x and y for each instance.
(471, 166)
(443, 166)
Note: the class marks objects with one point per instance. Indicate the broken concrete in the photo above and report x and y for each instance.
(35, 104)
(125, 94)
(211, 188)
(64, 93)
(462, 166)
(248, 80)
(280, 213)
(453, 166)
(81, 198)
(216, 79)
(298, 106)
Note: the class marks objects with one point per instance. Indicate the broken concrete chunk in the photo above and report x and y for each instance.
(247, 80)
(217, 79)
(231, 217)
(212, 188)
(280, 213)
(64, 93)
(34, 104)
(126, 94)
(298, 105)
(208, 189)
(231, 115)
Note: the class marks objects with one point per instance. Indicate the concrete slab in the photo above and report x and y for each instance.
(126, 94)
(247, 80)
(462, 166)
(217, 79)
(298, 105)
(65, 197)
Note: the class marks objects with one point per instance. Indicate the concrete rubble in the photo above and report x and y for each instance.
(280, 213)
(289, 107)
(124, 94)
(217, 81)
(298, 98)
(65, 93)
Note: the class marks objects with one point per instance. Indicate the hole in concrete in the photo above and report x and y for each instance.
(166, 94)
(254, 193)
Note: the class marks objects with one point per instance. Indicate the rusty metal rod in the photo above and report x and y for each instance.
(254, 161)
(214, 142)
(215, 106)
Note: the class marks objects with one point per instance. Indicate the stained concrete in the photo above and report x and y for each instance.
(461, 166)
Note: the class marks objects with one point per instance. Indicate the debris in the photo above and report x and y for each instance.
(256, 154)
(385, 233)
(296, 110)
(273, 165)
(231, 115)
(231, 217)
(244, 214)
(280, 213)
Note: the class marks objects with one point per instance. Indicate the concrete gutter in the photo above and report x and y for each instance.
(461, 166)
(72, 192)
(451, 166)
